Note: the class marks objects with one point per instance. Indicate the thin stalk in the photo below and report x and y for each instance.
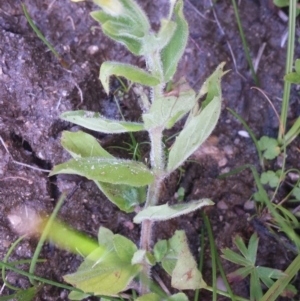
(44, 237)
(222, 293)
(223, 275)
(277, 288)
(41, 36)
(13, 246)
(245, 45)
(288, 66)
(213, 255)
(201, 260)
(43, 280)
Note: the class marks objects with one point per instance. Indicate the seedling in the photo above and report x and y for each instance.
(257, 274)
(118, 264)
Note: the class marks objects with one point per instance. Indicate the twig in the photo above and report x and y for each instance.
(80, 94)
(20, 163)
(259, 55)
(17, 178)
(227, 42)
(161, 283)
(198, 12)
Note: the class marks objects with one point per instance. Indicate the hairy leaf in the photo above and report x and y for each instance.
(171, 54)
(124, 247)
(166, 111)
(199, 124)
(115, 171)
(165, 212)
(96, 122)
(80, 144)
(194, 134)
(124, 22)
(98, 276)
(130, 72)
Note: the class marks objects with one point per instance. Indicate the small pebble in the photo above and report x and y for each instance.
(93, 49)
(244, 134)
(228, 149)
(222, 205)
(249, 205)
(293, 176)
(220, 284)
(222, 162)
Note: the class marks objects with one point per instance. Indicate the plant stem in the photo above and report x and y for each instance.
(244, 42)
(157, 164)
(288, 67)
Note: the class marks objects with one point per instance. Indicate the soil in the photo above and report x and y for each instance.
(36, 89)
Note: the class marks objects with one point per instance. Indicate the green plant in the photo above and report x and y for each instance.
(257, 274)
(118, 264)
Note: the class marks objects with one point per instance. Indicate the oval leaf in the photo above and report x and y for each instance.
(98, 277)
(115, 171)
(165, 212)
(194, 134)
(173, 51)
(130, 72)
(96, 122)
(80, 144)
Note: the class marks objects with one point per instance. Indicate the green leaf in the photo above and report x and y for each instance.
(296, 193)
(166, 111)
(270, 177)
(115, 171)
(75, 295)
(166, 32)
(124, 22)
(255, 286)
(80, 144)
(252, 248)
(171, 54)
(297, 66)
(124, 196)
(199, 125)
(194, 134)
(292, 77)
(149, 297)
(185, 274)
(264, 272)
(130, 72)
(239, 274)
(160, 249)
(238, 241)
(235, 257)
(105, 238)
(165, 212)
(178, 297)
(281, 3)
(181, 265)
(96, 122)
(22, 295)
(110, 28)
(124, 247)
(269, 146)
(98, 277)
(212, 86)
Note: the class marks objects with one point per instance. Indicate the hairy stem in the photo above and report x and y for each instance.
(157, 164)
